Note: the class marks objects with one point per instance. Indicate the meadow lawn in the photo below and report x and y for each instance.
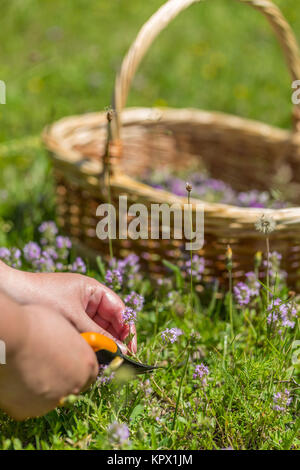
(60, 58)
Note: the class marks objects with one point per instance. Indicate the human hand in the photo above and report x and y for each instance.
(82, 300)
(50, 361)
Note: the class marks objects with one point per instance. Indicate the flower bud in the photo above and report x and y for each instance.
(229, 258)
(109, 113)
(188, 187)
(257, 259)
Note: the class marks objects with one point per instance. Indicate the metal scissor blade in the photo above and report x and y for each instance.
(139, 367)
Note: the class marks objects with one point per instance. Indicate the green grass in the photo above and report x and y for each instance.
(235, 409)
(60, 58)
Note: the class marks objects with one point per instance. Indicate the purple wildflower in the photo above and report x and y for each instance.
(45, 263)
(242, 293)
(177, 187)
(173, 297)
(122, 271)
(48, 230)
(59, 266)
(32, 252)
(276, 274)
(253, 198)
(15, 258)
(175, 301)
(129, 316)
(201, 372)
(11, 257)
(274, 264)
(212, 190)
(63, 245)
(170, 335)
(134, 301)
(48, 226)
(114, 278)
(103, 377)
(146, 386)
(131, 260)
(4, 254)
(195, 267)
(165, 283)
(129, 266)
(63, 242)
(282, 400)
(281, 315)
(51, 252)
(78, 266)
(118, 433)
(252, 283)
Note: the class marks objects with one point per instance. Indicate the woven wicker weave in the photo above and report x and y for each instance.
(250, 155)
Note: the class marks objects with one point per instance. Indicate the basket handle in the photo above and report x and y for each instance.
(162, 18)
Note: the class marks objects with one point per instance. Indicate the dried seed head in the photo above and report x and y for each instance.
(109, 113)
(265, 224)
(188, 187)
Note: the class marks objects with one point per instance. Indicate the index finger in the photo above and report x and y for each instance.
(104, 304)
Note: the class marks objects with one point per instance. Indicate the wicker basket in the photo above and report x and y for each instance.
(250, 155)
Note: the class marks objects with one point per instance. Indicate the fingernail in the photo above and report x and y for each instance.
(134, 344)
(122, 347)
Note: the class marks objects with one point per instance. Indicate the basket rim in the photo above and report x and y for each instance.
(138, 114)
(54, 137)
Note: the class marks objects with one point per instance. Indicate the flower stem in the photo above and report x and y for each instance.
(109, 118)
(268, 268)
(191, 255)
(180, 387)
(229, 269)
(230, 304)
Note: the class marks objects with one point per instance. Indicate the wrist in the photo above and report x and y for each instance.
(4, 269)
(14, 283)
(12, 324)
(6, 281)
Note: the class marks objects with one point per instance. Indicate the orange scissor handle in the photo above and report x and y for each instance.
(97, 341)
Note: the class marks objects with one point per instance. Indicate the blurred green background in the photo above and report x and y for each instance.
(60, 58)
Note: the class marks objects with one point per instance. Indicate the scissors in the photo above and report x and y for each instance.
(109, 353)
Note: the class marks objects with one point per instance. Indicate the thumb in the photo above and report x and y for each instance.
(85, 323)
